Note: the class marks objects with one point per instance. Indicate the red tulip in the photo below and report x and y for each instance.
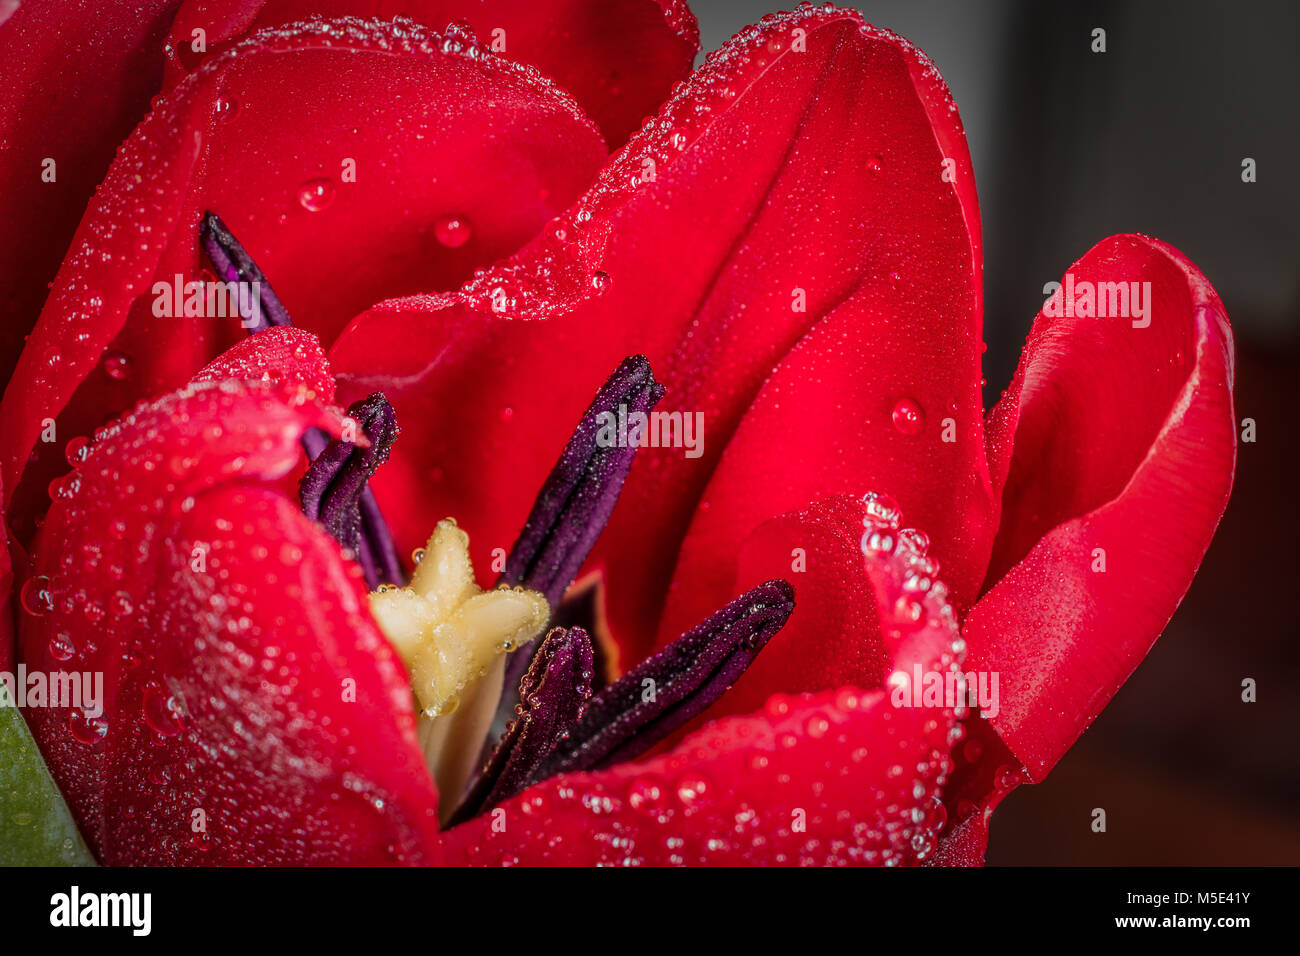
(793, 244)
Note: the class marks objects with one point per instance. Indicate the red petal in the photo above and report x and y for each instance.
(254, 712)
(833, 638)
(1118, 444)
(72, 85)
(431, 133)
(277, 356)
(772, 171)
(846, 776)
(619, 58)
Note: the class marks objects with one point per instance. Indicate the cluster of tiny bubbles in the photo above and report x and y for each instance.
(922, 601)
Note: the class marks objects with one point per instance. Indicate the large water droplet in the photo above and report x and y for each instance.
(87, 729)
(162, 712)
(908, 417)
(116, 365)
(453, 231)
(76, 450)
(61, 648)
(316, 194)
(36, 597)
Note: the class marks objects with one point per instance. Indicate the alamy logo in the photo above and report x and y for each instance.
(949, 688)
(81, 689)
(636, 429)
(74, 908)
(195, 299)
(1098, 300)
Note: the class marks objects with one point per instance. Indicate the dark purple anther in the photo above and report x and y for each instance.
(575, 502)
(331, 490)
(375, 550)
(552, 692)
(648, 703)
(234, 264)
(580, 492)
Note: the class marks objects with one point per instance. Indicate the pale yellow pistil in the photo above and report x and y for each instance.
(453, 637)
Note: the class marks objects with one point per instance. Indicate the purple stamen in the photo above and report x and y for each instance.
(648, 703)
(234, 264)
(573, 506)
(331, 490)
(552, 692)
(581, 490)
(375, 549)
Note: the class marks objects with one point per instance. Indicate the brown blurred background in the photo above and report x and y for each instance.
(1069, 147)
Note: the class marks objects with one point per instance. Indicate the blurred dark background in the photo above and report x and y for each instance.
(1069, 147)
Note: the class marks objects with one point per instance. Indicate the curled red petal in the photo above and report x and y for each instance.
(619, 58)
(789, 207)
(336, 150)
(253, 713)
(844, 776)
(285, 355)
(1117, 442)
(72, 86)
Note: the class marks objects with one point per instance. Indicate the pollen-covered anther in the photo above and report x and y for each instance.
(446, 629)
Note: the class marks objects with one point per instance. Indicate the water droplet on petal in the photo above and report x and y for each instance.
(453, 231)
(600, 281)
(908, 417)
(87, 729)
(316, 194)
(35, 596)
(161, 711)
(76, 450)
(875, 165)
(60, 648)
(117, 365)
(226, 107)
(691, 789)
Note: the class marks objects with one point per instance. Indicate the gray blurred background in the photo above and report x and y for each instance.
(1069, 147)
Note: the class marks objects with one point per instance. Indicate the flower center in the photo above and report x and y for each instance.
(453, 637)
(471, 654)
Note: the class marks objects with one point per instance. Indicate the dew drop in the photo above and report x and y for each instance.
(35, 596)
(316, 195)
(60, 648)
(1008, 778)
(86, 729)
(644, 794)
(908, 418)
(453, 231)
(225, 107)
(76, 450)
(161, 711)
(875, 165)
(600, 281)
(691, 789)
(116, 365)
